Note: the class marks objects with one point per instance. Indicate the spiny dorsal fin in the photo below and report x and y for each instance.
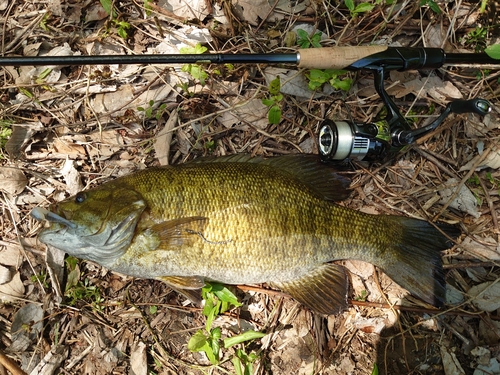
(323, 290)
(308, 168)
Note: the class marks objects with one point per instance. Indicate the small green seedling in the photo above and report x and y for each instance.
(355, 10)
(218, 299)
(77, 290)
(5, 132)
(122, 27)
(148, 112)
(304, 40)
(317, 78)
(196, 70)
(273, 101)
(432, 5)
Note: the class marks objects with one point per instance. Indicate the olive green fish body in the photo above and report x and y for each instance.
(244, 221)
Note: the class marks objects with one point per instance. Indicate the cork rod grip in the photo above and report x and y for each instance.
(335, 57)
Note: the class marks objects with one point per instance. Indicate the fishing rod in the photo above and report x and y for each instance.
(338, 140)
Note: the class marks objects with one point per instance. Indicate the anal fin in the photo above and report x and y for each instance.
(323, 290)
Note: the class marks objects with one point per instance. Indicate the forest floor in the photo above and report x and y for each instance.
(68, 128)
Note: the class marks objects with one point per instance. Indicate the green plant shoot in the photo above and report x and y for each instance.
(273, 101)
(306, 41)
(195, 70)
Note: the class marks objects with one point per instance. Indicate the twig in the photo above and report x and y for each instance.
(490, 203)
(10, 365)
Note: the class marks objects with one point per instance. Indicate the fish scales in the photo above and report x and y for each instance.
(245, 221)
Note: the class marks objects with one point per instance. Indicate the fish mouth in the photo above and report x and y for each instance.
(41, 214)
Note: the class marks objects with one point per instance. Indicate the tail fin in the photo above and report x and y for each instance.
(417, 264)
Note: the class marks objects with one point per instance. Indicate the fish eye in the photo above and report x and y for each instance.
(80, 197)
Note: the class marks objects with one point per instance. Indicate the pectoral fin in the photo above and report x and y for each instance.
(324, 290)
(178, 232)
(188, 286)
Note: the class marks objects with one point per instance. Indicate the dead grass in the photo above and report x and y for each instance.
(81, 126)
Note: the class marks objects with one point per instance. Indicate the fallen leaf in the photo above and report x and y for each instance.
(30, 315)
(252, 112)
(138, 359)
(71, 177)
(12, 290)
(451, 364)
(486, 296)
(252, 11)
(464, 201)
(66, 147)
(5, 275)
(194, 9)
(164, 138)
(491, 161)
(13, 180)
(481, 251)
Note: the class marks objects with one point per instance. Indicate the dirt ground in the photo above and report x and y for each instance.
(67, 128)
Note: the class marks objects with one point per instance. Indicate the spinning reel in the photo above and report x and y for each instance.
(374, 141)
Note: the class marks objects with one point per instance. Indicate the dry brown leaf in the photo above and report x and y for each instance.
(68, 148)
(71, 177)
(464, 201)
(252, 10)
(482, 252)
(252, 112)
(138, 359)
(10, 255)
(451, 363)
(486, 296)
(13, 180)
(491, 161)
(163, 139)
(12, 290)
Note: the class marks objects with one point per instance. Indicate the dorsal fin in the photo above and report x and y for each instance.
(308, 168)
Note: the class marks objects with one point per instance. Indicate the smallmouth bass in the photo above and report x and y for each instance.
(241, 220)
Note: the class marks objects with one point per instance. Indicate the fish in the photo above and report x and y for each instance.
(240, 220)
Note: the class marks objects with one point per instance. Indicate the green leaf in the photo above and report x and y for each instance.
(107, 5)
(245, 336)
(237, 365)
(73, 278)
(363, 7)
(275, 86)
(493, 51)
(349, 4)
(318, 75)
(375, 369)
(153, 309)
(197, 341)
(198, 49)
(267, 102)
(315, 40)
(212, 357)
(274, 115)
(224, 294)
(344, 84)
(44, 73)
(302, 34)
